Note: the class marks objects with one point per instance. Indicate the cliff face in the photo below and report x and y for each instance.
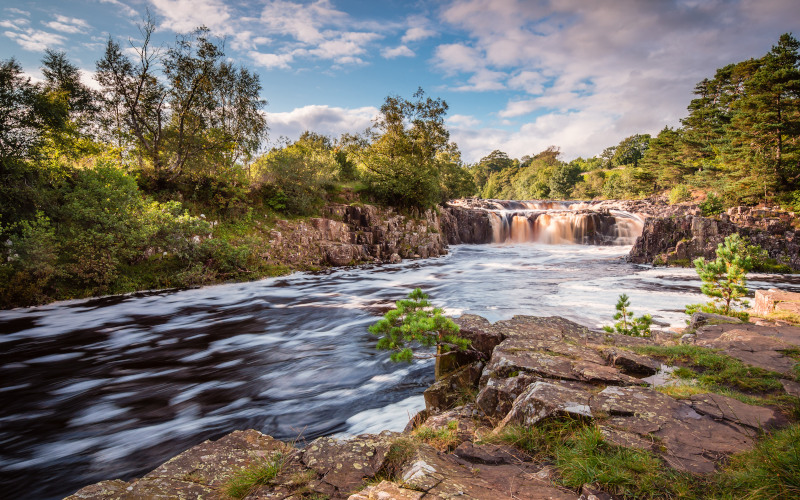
(354, 234)
(667, 240)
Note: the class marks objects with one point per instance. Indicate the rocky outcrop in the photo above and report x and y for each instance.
(678, 240)
(773, 300)
(462, 225)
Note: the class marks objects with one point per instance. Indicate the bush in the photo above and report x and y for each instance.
(725, 278)
(712, 205)
(679, 194)
(627, 324)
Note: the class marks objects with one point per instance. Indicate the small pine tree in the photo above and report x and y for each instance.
(725, 278)
(416, 320)
(626, 324)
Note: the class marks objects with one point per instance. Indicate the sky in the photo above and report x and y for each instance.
(519, 76)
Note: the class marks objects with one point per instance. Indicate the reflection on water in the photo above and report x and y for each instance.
(109, 388)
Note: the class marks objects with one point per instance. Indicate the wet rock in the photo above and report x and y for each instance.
(721, 407)
(543, 400)
(343, 464)
(386, 490)
(446, 476)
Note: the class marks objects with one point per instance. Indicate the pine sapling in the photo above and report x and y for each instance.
(626, 323)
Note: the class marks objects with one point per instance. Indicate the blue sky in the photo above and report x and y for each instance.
(518, 75)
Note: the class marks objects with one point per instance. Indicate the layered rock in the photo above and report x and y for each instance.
(671, 240)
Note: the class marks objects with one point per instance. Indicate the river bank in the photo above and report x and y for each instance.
(550, 410)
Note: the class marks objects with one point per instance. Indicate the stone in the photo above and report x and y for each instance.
(386, 490)
(544, 400)
(498, 394)
(451, 388)
(755, 345)
(768, 301)
(589, 492)
(630, 362)
(343, 464)
(724, 408)
(702, 319)
(791, 387)
(438, 475)
(489, 454)
(104, 489)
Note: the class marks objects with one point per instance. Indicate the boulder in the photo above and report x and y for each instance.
(769, 301)
(448, 390)
(721, 407)
(544, 400)
(702, 319)
(755, 345)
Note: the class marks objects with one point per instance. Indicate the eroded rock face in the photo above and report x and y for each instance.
(544, 400)
(754, 345)
(447, 391)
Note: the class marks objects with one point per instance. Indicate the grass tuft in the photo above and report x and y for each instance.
(443, 439)
(258, 473)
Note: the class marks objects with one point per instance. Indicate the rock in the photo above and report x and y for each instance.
(544, 400)
(386, 490)
(469, 422)
(497, 396)
(589, 492)
(448, 390)
(687, 440)
(482, 334)
(446, 476)
(489, 454)
(103, 489)
(791, 387)
(702, 319)
(344, 464)
(724, 408)
(630, 362)
(755, 345)
(343, 254)
(769, 301)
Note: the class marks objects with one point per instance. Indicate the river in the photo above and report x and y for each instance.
(111, 387)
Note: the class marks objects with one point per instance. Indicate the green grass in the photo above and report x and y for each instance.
(715, 370)
(258, 473)
(443, 439)
(400, 451)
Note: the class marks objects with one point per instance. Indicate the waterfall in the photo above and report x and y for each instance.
(558, 223)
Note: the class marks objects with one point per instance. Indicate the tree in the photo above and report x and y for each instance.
(415, 320)
(402, 165)
(725, 278)
(626, 324)
(563, 181)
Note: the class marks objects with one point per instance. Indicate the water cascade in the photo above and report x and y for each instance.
(553, 222)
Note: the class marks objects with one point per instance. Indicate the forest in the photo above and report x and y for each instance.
(160, 178)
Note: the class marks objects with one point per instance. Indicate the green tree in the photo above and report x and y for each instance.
(626, 324)
(415, 320)
(402, 165)
(725, 278)
(563, 180)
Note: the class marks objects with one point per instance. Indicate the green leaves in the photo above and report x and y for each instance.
(415, 321)
(626, 324)
(725, 278)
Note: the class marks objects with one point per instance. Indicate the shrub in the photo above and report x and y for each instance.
(712, 205)
(679, 193)
(627, 324)
(725, 278)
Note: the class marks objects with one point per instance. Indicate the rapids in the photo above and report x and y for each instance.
(111, 387)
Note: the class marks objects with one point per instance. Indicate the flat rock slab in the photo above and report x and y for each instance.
(437, 475)
(721, 407)
(544, 400)
(755, 345)
(687, 440)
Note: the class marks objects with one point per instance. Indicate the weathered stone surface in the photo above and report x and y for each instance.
(386, 490)
(702, 319)
(489, 454)
(484, 337)
(498, 394)
(769, 301)
(103, 489)
(724, 408)
(343, 464)
(445, 476)
(544, 400)
(791, 387)
(448, 390)
(464, 225)
(468, 420)
(687, 440)
(755, 345)
(630, 362)
(589, 492)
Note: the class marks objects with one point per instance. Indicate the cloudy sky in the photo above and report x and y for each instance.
(519, 75)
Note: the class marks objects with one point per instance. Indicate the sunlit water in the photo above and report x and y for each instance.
(109, 388)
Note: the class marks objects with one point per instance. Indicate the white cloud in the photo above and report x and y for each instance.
(66, 24)
(326, 120)
(35, 40)
(126, 9)
(416, 34)
(18, 11)
(401, 51)
(271, 61)
(183, 16)
(463, 121)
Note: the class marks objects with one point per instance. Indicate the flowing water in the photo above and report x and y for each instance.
(109, 388)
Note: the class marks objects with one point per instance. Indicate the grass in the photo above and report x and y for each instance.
(258, 473)
(581, 456)
(714, 370)
(400, 451)
(443, 439)
(787, 316)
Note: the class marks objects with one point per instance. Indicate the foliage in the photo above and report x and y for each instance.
(443, 439)
(295, 177)
(627, 324)
(402, 166)
(725, 278)
(415, 320)
(679, 194)
(712, 205)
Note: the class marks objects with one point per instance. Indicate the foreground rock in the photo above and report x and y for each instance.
(526, 371)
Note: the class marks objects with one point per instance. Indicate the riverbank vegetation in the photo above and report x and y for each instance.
(160, 178)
